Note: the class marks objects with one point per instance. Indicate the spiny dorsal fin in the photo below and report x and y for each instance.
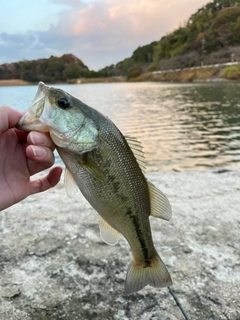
(70, 184)
(137, 150)
(108, 234)
(160, 206)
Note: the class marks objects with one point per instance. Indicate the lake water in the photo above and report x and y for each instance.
(181, 126)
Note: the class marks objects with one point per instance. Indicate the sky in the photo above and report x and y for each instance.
(99, 32)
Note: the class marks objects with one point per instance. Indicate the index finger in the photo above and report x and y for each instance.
(40, 139)
(8, 118)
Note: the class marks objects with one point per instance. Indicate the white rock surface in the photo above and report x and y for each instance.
(53, 264)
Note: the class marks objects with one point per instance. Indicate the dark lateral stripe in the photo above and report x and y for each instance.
(139, 236)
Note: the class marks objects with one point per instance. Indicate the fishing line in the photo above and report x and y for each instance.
(178, 303)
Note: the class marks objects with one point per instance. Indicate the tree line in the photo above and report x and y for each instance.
(54, 69)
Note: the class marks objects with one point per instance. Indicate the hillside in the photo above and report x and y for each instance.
(49, 70)
(211, 35)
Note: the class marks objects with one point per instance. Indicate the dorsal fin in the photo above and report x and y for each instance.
(137, 150)
(160, 206)
(108, 234)
(70, 184)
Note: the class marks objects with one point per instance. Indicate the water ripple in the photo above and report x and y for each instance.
(190, 126)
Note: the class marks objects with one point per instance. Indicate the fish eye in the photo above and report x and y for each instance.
(63, 103)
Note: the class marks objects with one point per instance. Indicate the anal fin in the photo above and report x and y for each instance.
(108, 234)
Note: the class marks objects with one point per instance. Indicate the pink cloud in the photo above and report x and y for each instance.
(146, 19)
(103, 32)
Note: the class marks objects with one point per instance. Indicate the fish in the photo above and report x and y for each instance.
(109, 169)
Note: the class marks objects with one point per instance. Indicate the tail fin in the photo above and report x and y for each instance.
(139, 275)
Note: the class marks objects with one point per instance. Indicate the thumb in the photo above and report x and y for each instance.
(9, 118)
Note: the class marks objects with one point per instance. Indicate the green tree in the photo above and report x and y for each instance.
(71, 72)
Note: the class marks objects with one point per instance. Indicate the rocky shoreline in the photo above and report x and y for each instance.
(53, 264)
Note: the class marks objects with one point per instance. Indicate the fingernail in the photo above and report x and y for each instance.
(38, 151)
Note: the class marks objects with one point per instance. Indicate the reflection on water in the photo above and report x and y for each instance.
(181, 126)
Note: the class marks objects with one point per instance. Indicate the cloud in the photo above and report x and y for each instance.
(67, 2)
(102, 32)
(118, 23)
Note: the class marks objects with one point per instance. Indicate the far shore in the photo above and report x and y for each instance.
(19, 82)
(14, 82)
(179, 76)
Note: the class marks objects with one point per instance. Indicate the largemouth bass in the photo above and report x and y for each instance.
(108, 169)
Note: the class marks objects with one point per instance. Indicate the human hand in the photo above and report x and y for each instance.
(22, 154)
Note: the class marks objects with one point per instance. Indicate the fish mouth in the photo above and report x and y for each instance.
(31, 120)
(42, 87)
(28, 122)
(39, 98)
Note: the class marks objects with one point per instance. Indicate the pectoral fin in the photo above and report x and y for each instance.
(70, 184)
(160, 206)
(108, 234)
(92, 168)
